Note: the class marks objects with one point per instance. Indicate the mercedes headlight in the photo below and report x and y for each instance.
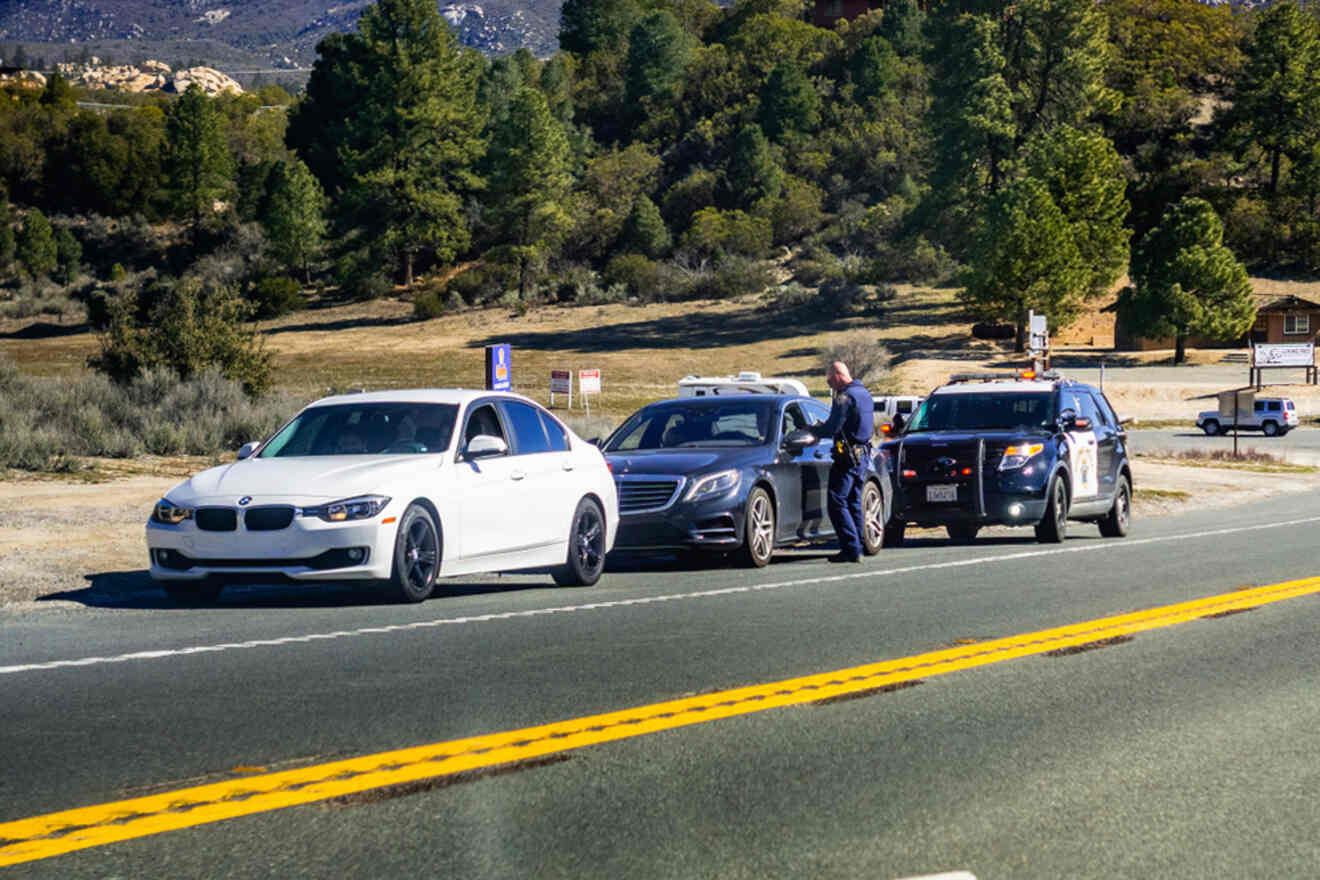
(1016, 456)
(361, 507)
(712, 485)
(166, 512)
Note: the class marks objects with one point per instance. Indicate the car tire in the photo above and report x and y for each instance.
(962, 533)
(1270, 428)
(202, 592)
(1053, 528)
(1115, 524)
(758, 530)
(585, 557)
(873, 519)
(1211, 427)
(417, 554)
(894, 533)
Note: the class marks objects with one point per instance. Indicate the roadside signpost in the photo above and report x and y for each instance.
(1038, 342)
(1281, 355)
(561, 382)
(588, 383)
(499, 373)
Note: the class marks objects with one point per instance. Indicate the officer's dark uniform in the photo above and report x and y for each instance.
(851, 421)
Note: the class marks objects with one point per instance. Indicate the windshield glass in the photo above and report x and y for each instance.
(990, 411)
(365, 429)
(705, 423)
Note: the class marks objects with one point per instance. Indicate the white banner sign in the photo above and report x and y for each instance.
(589, 381)
(1283, 354)
(561, 382)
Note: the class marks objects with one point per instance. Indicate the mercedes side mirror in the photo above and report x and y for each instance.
(246, 450)
(796, 441)
(485, 446)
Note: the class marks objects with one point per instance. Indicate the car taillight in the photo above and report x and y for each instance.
(966, 472)
(909, 474)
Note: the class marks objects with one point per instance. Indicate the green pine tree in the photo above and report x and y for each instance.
(1276, 97)
(412, 143)
(1185, 281)
(644, 231)
(68, 256)
(789, 102)
(295, 216)
(36, 249)
(755, 178)
(1025, 259)
(197, 160)
(529, 180)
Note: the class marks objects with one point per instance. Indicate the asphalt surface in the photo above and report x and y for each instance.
(1186, 751)
(1300, 445)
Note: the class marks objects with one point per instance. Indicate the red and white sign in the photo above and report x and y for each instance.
(589, 381)
(561, 382)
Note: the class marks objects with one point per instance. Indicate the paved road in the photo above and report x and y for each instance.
(1185, 751)
(1301, 445)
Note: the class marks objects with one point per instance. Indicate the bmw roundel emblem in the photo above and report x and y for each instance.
(243, 502)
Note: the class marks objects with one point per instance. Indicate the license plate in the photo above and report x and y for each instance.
(942, 492)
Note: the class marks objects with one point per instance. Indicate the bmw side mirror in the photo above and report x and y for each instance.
(796, 441)
(246, 450)
(485, 446)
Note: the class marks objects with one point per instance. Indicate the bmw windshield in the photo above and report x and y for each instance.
(706, 422)
(1016, 411)
(365, 429)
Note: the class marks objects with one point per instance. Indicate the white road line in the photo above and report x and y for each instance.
(643, 600)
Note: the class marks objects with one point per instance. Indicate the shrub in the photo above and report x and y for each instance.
(840, 297)
(277, 296)
(735, 232)
(734, 276)
(790, 297)
(635, 272)
(46, 422)
(428, 304)
(190, 329)
(36, 248)
(866, 356)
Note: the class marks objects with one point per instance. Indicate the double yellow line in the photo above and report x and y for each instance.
(52, 834)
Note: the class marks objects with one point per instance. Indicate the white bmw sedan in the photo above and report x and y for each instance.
(399, 487)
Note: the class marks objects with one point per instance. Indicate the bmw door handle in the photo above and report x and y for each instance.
(517, 475)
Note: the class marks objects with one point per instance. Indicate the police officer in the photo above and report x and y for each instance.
(850, 423)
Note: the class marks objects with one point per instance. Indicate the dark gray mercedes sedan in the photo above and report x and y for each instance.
(733, 473)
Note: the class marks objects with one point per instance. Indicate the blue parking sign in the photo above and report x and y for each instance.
(499, 373)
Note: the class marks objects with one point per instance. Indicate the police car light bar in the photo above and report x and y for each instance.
(1004, 377)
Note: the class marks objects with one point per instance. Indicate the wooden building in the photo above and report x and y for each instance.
(1287, 319)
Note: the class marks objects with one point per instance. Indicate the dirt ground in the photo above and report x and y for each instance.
(66, 543)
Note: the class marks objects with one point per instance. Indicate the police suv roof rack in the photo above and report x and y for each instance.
(1016, 376)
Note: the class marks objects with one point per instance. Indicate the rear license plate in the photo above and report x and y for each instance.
(942, 492)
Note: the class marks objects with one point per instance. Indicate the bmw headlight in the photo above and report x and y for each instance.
(361, 507)
(166, 512)
(712, 485)
(1016, 456)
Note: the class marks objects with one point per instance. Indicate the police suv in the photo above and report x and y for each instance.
(1011, 449)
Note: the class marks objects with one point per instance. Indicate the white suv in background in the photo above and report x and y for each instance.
(1275, 416)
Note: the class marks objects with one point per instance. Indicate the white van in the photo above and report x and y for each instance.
(888, 406)
(743, 383)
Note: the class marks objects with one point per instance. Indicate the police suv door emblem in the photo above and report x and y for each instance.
(245, 500)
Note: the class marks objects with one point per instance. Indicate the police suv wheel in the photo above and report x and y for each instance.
(1053, 528)
(873, 519)
(1115, 523)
